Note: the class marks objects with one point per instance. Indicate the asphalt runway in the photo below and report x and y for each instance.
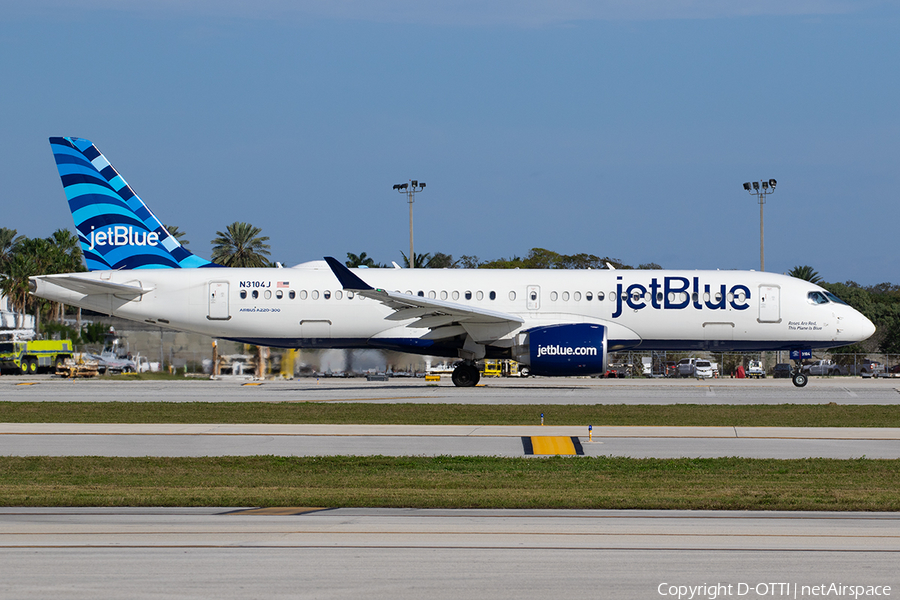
(534, 390)
(209, 553)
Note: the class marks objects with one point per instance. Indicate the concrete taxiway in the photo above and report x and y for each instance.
(214, 553)
(104, 439)
(393, 440)
(535, 390)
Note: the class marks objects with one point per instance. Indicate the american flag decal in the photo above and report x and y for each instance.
(284, 284)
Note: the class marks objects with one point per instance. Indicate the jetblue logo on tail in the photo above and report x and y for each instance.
(115, 227)
(122, 236)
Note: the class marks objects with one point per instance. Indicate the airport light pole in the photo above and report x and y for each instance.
(761, 189)
(410, 189)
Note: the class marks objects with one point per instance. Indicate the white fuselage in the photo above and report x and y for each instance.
(305, 306)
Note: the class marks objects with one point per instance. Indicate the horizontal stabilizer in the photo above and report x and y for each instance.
(92, 287)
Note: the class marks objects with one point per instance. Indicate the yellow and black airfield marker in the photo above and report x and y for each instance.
(541, 445)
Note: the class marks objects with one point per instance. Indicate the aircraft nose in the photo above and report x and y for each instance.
(866, 328)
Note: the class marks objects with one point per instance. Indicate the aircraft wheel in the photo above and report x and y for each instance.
(524, 371)
(800, 379)
(465, 375)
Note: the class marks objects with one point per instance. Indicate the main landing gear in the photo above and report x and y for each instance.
(799, 378)
(466, 374)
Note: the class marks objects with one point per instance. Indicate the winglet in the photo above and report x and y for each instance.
(348, 280)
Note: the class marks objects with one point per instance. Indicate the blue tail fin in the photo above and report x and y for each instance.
(115, 227)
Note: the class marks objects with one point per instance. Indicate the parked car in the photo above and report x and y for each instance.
(867, 368)
(755, 369)
(782, 371)
(824, 367)
(703, 369)
(685, 367)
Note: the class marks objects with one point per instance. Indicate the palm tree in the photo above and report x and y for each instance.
(178, 235)
(806, 273)
(8, 241)
(241, 246)
(420, 260)
(360, 260)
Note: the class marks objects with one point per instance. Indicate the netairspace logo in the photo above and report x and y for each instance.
(767, 590)
(557, 350)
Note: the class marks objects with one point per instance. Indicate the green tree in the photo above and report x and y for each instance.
(241, 246)
(8, 241)
(420, 261)
(806, 273)
(360, 260)
(178, 235)
(467, 261)
(439, 260)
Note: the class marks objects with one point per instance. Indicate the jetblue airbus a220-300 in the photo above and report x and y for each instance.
(554, 322)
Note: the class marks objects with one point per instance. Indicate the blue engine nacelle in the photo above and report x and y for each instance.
(562, 350)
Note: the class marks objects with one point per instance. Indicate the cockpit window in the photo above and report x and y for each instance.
(834, 298)
(817, 298)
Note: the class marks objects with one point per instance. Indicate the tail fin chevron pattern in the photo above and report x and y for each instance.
(115, 227)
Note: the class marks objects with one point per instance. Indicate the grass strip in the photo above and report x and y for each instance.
(758, 415)
(454, 482)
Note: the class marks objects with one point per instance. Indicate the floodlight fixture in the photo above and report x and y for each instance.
(768, 187)
(410, 189)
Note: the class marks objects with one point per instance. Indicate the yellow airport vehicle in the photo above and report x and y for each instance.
(33, 355)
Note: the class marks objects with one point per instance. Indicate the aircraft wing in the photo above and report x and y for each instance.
(444, 319)
(83, 285)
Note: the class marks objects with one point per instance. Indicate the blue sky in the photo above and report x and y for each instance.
(615, 128)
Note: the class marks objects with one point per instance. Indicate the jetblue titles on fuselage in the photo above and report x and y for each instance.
(679, 293)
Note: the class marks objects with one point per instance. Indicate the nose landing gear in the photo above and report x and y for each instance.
(799, 378)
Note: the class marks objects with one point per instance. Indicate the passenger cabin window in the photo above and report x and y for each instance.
(326, 294)
(255, 294)
(512, 296)
(292, 294)
(468, 295)
(279, 294)
(817, 298)
(601, 296)
(588, 296)
(243, 294)
(493, 295)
